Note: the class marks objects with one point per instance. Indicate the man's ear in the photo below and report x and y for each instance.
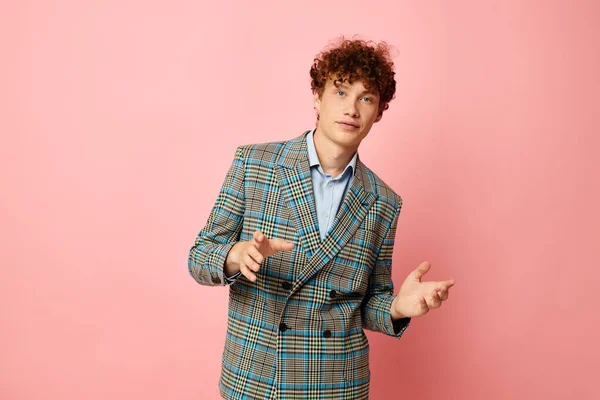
(317, 101)
(379, 116)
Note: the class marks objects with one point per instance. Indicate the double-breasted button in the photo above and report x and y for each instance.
(282, 327)
(332, 294)
(327, 333)
(286, 285)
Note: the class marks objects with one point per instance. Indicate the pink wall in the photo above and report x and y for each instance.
(118, 123)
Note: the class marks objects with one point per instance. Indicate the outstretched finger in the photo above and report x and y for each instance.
(445, 285)
(281, 245)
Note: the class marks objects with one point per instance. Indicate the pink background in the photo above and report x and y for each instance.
(120, 118)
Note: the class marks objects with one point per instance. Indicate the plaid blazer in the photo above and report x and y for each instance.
(297, 332)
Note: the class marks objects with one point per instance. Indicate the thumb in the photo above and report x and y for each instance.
(258, 237)
(280, 244)
(421, 270)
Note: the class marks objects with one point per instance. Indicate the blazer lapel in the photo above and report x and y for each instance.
(353, 210)
(296, 184)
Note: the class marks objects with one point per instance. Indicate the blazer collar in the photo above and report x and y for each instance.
(295, 154)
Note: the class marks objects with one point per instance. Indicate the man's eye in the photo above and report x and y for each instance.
(340, 93)
(367, 99)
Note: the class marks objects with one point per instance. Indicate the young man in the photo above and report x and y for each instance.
(303, 233)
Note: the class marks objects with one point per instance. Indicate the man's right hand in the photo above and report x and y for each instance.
(247, 256)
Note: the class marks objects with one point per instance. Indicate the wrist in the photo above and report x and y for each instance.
(232, 263)
(394, 310)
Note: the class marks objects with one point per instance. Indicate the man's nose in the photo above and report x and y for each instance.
(351, 109)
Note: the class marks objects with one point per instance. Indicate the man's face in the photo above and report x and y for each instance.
(346, 113)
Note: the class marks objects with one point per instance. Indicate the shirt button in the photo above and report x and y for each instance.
(286, 285)
(283, 327)
(326, 215)
(330, 184)
(327, 333)
(332, 294)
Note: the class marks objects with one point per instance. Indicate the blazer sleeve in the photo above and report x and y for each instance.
(222, 230)
(376, 314)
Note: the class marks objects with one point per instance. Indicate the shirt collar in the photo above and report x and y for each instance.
(313, 158)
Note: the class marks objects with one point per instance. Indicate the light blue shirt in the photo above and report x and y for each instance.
(329, 191)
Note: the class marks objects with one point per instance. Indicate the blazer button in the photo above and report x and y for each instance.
(286, 285)
(215, 279)
(327, 333)
(333, 293)
(282, 327)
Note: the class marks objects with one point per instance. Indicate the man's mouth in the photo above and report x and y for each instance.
(348, 124)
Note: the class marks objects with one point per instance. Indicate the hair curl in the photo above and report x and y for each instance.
(356, 60)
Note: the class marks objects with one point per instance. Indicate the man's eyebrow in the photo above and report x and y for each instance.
(345, 86)
(369, 92)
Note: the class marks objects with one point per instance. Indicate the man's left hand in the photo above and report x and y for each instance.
(416, 297)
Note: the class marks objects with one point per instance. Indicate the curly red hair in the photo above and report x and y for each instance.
(355, 59)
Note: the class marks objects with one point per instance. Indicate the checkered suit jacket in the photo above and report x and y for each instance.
(297, 332)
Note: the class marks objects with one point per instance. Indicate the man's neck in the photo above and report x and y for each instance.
(333, 158)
